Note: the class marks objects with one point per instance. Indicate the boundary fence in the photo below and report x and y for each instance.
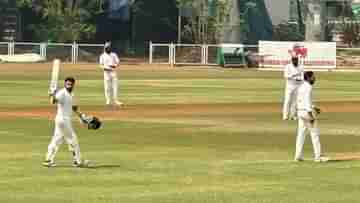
(208, 55)
(159, 53)
(71, 53)
(194, 54)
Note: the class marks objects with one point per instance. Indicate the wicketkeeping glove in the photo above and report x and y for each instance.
(315, 112)
(92, 122)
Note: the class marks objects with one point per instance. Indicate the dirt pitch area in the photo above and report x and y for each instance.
(129, 111)
(351, 156)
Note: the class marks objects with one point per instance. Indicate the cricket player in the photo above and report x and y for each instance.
(63, 127)
(307, 119)
(293, 74)
(109, 61)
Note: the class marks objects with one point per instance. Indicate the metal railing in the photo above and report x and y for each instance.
(159, 53)
(71, 53)
(190, 54)
(208, 54)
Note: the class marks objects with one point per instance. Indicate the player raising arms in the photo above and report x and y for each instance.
(63, 127)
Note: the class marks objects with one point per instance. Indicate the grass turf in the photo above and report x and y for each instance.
(212, 156)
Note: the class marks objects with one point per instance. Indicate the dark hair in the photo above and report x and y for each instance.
(71, 79)
(308, 75)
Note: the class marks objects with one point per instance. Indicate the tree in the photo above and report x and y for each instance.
(153, 21)
(312, 20)
(195, 25)
(312, 17)
(350, 31)
(300, 17)
(65, 20)
(287, 32)
(212, 20)
(209, 19)
(3, 5)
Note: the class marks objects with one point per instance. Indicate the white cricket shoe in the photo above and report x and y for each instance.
(48, 163)
(81, 164)
(322, 159)
(118, 103)
(298, 159)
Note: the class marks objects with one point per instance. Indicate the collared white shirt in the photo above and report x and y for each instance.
(64, 104)
(294, 75)
(108, 60)
(304, 97)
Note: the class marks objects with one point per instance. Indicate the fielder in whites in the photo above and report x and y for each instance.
(307, 119)
(63, 127)
(109, 61)
(293, 74)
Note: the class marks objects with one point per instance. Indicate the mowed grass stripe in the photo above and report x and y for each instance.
(90, 92)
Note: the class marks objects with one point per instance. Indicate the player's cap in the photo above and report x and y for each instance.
(107, 44)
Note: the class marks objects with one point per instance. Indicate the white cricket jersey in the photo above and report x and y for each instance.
(64, 104)
(108, 60)
(304, 97)
(294, 75)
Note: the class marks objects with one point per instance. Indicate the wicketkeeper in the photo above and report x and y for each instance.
(307, 119)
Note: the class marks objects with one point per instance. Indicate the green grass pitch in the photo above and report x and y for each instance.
(185, 135)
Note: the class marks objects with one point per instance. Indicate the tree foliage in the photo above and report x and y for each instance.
(65, 21)
(154, 21)
(3, 4)
(288, 32)
(203, 26)
(210, 18)
(350, 32)
(1, 18)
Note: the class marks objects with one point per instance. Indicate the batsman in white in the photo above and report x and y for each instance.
(109, 61)
(63, 127)
(307, 119)
(293, 74)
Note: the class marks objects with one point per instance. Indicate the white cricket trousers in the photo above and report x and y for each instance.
(290, 97)
(304, 124)
(63, 131)
(110, 86)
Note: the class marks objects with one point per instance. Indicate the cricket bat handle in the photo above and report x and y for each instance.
(54, 79)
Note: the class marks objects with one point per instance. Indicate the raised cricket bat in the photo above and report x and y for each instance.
(54, 76)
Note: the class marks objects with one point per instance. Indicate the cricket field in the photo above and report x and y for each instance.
(184, 135)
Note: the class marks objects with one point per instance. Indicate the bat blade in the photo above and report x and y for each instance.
(54, 76)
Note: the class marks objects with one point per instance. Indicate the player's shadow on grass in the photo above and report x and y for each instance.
(343, 159)
(97, 166)
(103, 166)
